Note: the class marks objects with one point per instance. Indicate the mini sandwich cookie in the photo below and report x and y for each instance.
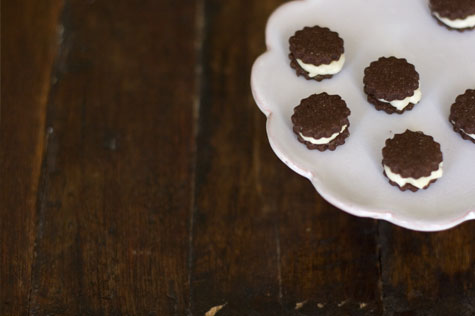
(462, 115)
(321, 121)
(412, 160)
(454, 14)
(316, 53)
(392, 85)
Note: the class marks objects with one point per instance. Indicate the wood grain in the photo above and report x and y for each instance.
(329, 259)
(428, 273)
(29, 42)
(113, 223)
(235, 241)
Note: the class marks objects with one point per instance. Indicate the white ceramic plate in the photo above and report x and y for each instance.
(351, 177)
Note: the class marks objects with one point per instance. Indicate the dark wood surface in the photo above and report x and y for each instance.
(137, 179)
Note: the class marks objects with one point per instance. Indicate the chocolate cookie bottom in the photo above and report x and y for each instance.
(462, 134)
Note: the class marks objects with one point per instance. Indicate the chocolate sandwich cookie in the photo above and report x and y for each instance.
(316, 53)
(412, 160)
(392, 85)
(321, 121)
(454, 14)
(462, 115)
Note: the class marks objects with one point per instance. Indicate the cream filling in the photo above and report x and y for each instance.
(469, 135)
(323, 140)
(469, 21)
(418, 183)
(401, 104)
(324, 69)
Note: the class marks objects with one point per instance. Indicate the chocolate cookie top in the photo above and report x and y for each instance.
(412, 154)
(462, 112)
(453, 9)
(320, 115)
(316, 45)
(390, 78)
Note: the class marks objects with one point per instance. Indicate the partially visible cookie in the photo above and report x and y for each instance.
(454, 14)
(392, 85)
(321, 121)
(316, 53)
(462, 115)
(412, 160)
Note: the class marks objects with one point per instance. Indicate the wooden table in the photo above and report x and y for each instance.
(137, 179)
